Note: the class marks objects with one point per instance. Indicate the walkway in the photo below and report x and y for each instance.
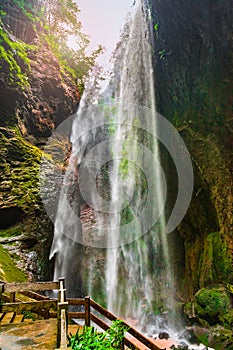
(29, 335)
(51, 333)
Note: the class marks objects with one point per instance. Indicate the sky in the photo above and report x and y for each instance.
(102, 20)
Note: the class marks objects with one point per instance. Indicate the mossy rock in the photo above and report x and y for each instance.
(21, 210)
(227, 319)
(221, 339)
(211, 304)
(215, 337)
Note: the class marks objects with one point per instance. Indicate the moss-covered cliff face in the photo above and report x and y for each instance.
(193, 65)
(24, 227)
(35, 96)
(35, 91)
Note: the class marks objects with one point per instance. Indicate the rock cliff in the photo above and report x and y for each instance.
(193, 72)
(35, 96)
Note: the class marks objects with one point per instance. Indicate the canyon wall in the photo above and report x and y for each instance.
(193, 63)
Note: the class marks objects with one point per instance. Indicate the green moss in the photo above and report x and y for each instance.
(212, 303)
(227, 319)
(215, 264)
(12, 231)
(208, 253)
(204, 339)
(20, 166)
(219, 252)
(217, 338)
(8, 270)
(14, 54)
(2, 13)
(221, 339)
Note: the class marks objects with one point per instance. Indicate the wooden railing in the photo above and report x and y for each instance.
(102, 320)
(40, 304)
(91, 311)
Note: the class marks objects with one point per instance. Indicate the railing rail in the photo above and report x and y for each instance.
(27, 286)
(28, 306)
(89, 315)
(132, 331)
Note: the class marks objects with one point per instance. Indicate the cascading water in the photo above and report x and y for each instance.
(134, 261)
(136, 277)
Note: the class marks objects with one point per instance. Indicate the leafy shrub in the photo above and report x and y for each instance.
(90, 339)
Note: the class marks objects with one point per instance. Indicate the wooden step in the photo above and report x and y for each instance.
(8, 318)
(1, 315)
(18, 318)
(28, 320)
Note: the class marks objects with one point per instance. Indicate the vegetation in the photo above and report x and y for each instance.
(61, 24)
(19, 188)
(29, 315)
(8, 270)
(90, 339)
(14, 54)
(212, 303)
(28, 8)
(162, 54)
(12, 231)
(156, 28)
(20, 163)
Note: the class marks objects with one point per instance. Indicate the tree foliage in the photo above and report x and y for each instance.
(61, 17)
(61, 20)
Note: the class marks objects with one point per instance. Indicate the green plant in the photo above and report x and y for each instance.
(2, 13)
(12, 231)
(156, 28)
(62, 27)
(162, 54)
(90, 339)
(116, 334)
(29, 315)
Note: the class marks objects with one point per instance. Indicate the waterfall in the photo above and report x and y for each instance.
(126, 249)
(129, 276)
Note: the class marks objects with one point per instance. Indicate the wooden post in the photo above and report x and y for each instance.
(64, 328)
(62, 291)
(45, 313)
(1, 290)
(62, 313)
(12, 297)
(87, 312)
(58, 326)
(62, 324)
